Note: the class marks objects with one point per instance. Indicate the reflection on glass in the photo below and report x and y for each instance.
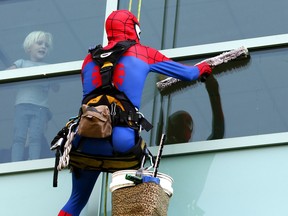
(180, 123)
(253, 98)
(179, 127)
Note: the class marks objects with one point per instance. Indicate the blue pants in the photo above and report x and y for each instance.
(83, 181)
(30, 124)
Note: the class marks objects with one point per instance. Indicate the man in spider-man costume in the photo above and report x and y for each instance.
(129, 77)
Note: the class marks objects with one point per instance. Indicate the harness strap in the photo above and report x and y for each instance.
(100, 56)
(122, 111)
(132, 119)
(107, 60)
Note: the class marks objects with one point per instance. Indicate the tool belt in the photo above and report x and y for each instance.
(119, 161)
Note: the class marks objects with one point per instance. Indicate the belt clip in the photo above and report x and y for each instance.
(113, 109)
(140, 116)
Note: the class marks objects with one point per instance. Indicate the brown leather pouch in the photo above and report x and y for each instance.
(95, 122)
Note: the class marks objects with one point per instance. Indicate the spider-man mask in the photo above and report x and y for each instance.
(122, 25)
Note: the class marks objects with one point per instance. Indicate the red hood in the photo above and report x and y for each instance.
(120, 26)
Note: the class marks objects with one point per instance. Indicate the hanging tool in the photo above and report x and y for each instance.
(157, 162)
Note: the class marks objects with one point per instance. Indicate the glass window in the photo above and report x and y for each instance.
(33, 114)
(74, 25)
(244, 97)
(173, 23)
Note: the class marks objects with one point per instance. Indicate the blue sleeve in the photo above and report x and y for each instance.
(177, 70)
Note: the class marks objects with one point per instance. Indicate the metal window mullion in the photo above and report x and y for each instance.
(111, 5)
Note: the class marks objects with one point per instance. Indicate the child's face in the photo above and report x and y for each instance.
(38, 50)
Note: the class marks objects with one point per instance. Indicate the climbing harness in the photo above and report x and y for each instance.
(122, 112)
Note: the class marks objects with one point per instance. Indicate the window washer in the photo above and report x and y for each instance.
(128, 78)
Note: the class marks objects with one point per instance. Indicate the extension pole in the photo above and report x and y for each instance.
(157, 162)
(55, 174)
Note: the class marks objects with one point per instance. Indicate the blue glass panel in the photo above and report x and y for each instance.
(74, 25)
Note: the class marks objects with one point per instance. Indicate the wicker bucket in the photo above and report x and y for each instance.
(145, 199)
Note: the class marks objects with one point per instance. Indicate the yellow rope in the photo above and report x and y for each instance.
(130, 5)
(139, 9)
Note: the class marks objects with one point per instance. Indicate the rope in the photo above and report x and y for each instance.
(130, 5)
(64, 159)
(139, 8)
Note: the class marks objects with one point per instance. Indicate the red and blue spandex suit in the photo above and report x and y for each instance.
(129, 77)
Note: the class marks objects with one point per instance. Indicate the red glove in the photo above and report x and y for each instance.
(205, 70)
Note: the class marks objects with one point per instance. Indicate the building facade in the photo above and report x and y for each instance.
(234, 161)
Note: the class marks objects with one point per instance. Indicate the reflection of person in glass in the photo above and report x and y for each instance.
(31, 106)
(180, 127)
(180, 123)
(179, 130)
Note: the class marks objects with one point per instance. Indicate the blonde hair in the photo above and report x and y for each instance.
(35, 36)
